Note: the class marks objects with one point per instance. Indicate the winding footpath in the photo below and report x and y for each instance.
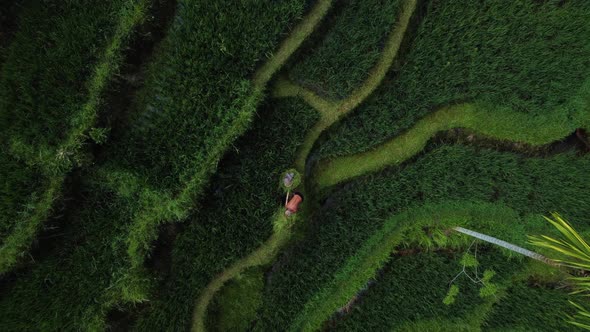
(281, 233)
(502, 124)
(330, 113)
(362, 267)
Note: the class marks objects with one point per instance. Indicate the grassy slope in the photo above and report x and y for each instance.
(355, 211)
(527, 56)
(347, 51)
(241, 201)
(46, 110)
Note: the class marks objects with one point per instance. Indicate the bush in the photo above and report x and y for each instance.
(528, 56)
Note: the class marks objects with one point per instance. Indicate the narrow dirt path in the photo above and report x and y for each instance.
(148, 220)
(264, 254)
(330, 113)
(291, 43)
(281, 233)
(334, 171)
(500, 124)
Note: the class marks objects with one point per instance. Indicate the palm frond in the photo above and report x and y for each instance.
(574, 252)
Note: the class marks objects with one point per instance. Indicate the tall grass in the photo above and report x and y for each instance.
(207, 109)
(407, 227)
(531, 57)
(503, 124)
(532, 307)
(46, 110)
(407, 296)
(198, 84)
(354, 211)
(241, 201)
(347, 50)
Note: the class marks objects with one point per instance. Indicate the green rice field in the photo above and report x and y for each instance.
(147, 146)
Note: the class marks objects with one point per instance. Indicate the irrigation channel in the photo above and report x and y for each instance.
(393, 152)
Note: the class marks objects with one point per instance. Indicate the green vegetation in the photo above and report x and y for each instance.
(527, 185)
(149, 150)
(73, 285)
(574, 252)
(408, 227)
(496, 55)
(46, 110)
(526, 308)
(389, 305)
(502, 124)
(241, 203)
(348, 49)
(145, 144)
(332, 111)
(8, 22)
(156, 157)
(236, 304)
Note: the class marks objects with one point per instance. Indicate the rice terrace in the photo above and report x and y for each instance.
(295, 165)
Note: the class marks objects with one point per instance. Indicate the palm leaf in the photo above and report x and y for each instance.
(576, 254)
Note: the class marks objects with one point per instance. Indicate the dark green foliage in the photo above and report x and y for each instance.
(64, 290)
(198, 96)
(355, 211)
(43, 83)
(18, 189)
(8, 23)
(240, 203)
(209, 88)
(197, 99)
(530, 56)
(349, 49)
(531, 308)
(51, 83)
(411, 288)
(235, 306)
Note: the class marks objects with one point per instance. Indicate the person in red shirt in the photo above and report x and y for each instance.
(293, 204)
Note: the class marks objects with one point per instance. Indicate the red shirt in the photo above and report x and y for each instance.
(293, 204)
